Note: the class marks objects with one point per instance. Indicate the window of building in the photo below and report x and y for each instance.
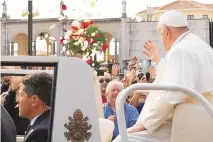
(190, 16)
(15, 49)
(205, 16)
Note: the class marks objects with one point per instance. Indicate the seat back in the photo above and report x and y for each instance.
(191, 123)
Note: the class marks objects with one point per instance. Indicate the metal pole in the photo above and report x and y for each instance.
(30, 27)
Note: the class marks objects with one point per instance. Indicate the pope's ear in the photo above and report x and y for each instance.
(168, 32)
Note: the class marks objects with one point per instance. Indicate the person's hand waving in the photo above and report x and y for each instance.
(152, 51)
(115, 70)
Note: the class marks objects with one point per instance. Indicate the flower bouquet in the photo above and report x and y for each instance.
(83, 38)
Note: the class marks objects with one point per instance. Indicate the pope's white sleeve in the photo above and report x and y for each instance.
(175, 73)
(155, 114)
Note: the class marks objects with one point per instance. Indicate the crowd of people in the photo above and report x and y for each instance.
(111, 86)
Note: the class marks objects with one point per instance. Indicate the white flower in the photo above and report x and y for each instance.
(80, 31)
(93, 34)
(85, 43)
(65, 41)
(76, 43)
(95, 44)
(93, 52)
(67, 35)
(84, 48)
(63, 49)
(87, 54)
(76, 23)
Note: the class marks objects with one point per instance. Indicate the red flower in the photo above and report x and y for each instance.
(64, 7)
(105, 47)
(85, 25)
(91, 22)
(61, 40)
(74, 28)
(97, 35)
(88, 61)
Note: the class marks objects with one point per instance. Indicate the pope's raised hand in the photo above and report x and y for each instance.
(151, 51)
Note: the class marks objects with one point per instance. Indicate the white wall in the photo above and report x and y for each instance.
(138, 33)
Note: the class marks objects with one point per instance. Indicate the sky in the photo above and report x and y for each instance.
(82, 8)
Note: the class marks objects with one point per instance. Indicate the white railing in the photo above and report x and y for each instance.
(121, 99)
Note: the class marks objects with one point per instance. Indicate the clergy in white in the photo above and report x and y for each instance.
(189, 62)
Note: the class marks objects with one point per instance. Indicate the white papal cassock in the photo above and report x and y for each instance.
(189, 62)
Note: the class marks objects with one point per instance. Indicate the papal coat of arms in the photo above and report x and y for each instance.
(78, 128)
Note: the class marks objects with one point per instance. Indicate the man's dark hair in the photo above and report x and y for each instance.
(147, 76)
(140, 75)
(39, 84)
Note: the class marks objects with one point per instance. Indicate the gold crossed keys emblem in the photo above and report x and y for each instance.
(78, 128)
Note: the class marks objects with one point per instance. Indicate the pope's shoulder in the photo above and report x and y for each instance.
(190, 46)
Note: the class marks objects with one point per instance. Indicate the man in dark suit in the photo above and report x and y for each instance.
(34, 101)
(8, 129)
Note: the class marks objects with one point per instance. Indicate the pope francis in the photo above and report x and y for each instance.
(189, 62)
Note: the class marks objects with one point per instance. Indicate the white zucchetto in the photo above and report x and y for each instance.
(173, 18)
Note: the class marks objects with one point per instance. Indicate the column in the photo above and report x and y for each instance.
(124, 52)
(60, 34)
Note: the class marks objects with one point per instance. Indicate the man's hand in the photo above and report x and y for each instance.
(15, 82)
(136, 128)
(152, 51)
(111, 117)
